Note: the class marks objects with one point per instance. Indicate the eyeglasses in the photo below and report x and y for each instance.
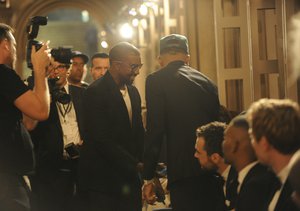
(134, 67)
(62, 66)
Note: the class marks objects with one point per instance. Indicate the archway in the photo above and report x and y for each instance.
(107, 12)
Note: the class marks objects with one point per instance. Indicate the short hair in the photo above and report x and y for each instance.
(173, 51)
(240, 121)
(213, 133)
(121, 50)
(99, 55)
(278, 121)
(4, 31)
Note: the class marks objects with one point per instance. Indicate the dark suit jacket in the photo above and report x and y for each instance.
(285, 202)
(179, 99)
(231, 188)
(48, 136)
(113, 146)
(255, 190)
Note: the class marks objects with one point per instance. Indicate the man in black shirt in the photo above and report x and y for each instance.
(179, 99)
(15, 99)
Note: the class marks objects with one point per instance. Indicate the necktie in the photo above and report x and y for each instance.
(231, 192)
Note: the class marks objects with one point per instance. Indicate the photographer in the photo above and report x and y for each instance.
(16, 98)
(57, 142)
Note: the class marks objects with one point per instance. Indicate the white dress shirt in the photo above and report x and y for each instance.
(127, 101)
(68, 122)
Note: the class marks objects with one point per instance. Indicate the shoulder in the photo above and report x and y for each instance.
(5, 71)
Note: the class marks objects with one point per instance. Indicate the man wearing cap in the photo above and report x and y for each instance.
(78, 69)
(179, 99)
(57, 142)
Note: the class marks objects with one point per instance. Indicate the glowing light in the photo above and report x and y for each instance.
(126, 31)
(144, 23)
(133, 12)
(143, 10)
(104, 44)
(135, 22)
(103, 33)
(85, 16)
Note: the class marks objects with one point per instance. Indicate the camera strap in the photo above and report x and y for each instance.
(64, 109)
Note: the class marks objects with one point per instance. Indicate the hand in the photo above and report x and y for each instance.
(40, 59)
(80, 143)
(149, 194)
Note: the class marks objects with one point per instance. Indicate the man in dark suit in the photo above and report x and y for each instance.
(294, 177)
(255, 182)
(179, 99)
(112, 151)
(208, 150)
(275, 137)
(54, 181)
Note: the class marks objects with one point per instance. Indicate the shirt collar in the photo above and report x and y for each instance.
(243, 173)
(225, 173)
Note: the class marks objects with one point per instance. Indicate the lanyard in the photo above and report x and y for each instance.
(64, 109)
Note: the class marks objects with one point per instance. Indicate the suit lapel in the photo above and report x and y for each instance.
(118, 98)
(284, 197)
(134, 106)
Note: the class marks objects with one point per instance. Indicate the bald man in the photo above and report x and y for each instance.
(113, 148)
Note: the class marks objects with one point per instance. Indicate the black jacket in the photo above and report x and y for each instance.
(48, 136)
(113, 146)
(255, 190)
(179, 100)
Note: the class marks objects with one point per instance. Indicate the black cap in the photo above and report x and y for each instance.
(80, 54)
(174, 41)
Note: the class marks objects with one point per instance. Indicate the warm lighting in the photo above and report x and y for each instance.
(144, 23)
(103, 33)
(132, 12)
(104, 44)
(143, 10)
(85, 16)
(135, 22)
(126, 31)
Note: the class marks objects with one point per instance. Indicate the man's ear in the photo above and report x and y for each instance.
(188, 59)
(160, 61)
(264, 144)
(215, 157)
(5, 44)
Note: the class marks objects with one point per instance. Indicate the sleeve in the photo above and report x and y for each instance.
(11, 86)
(155, 125)
(99, 130)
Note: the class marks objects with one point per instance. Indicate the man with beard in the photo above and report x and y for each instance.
(208, 151)
(16, 98)
(110, 156)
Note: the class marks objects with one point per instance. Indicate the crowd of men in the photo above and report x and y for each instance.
(92, 152)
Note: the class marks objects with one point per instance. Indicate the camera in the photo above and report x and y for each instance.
(57, 95)
(61, 54)
(72, 150)
(33, 30)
